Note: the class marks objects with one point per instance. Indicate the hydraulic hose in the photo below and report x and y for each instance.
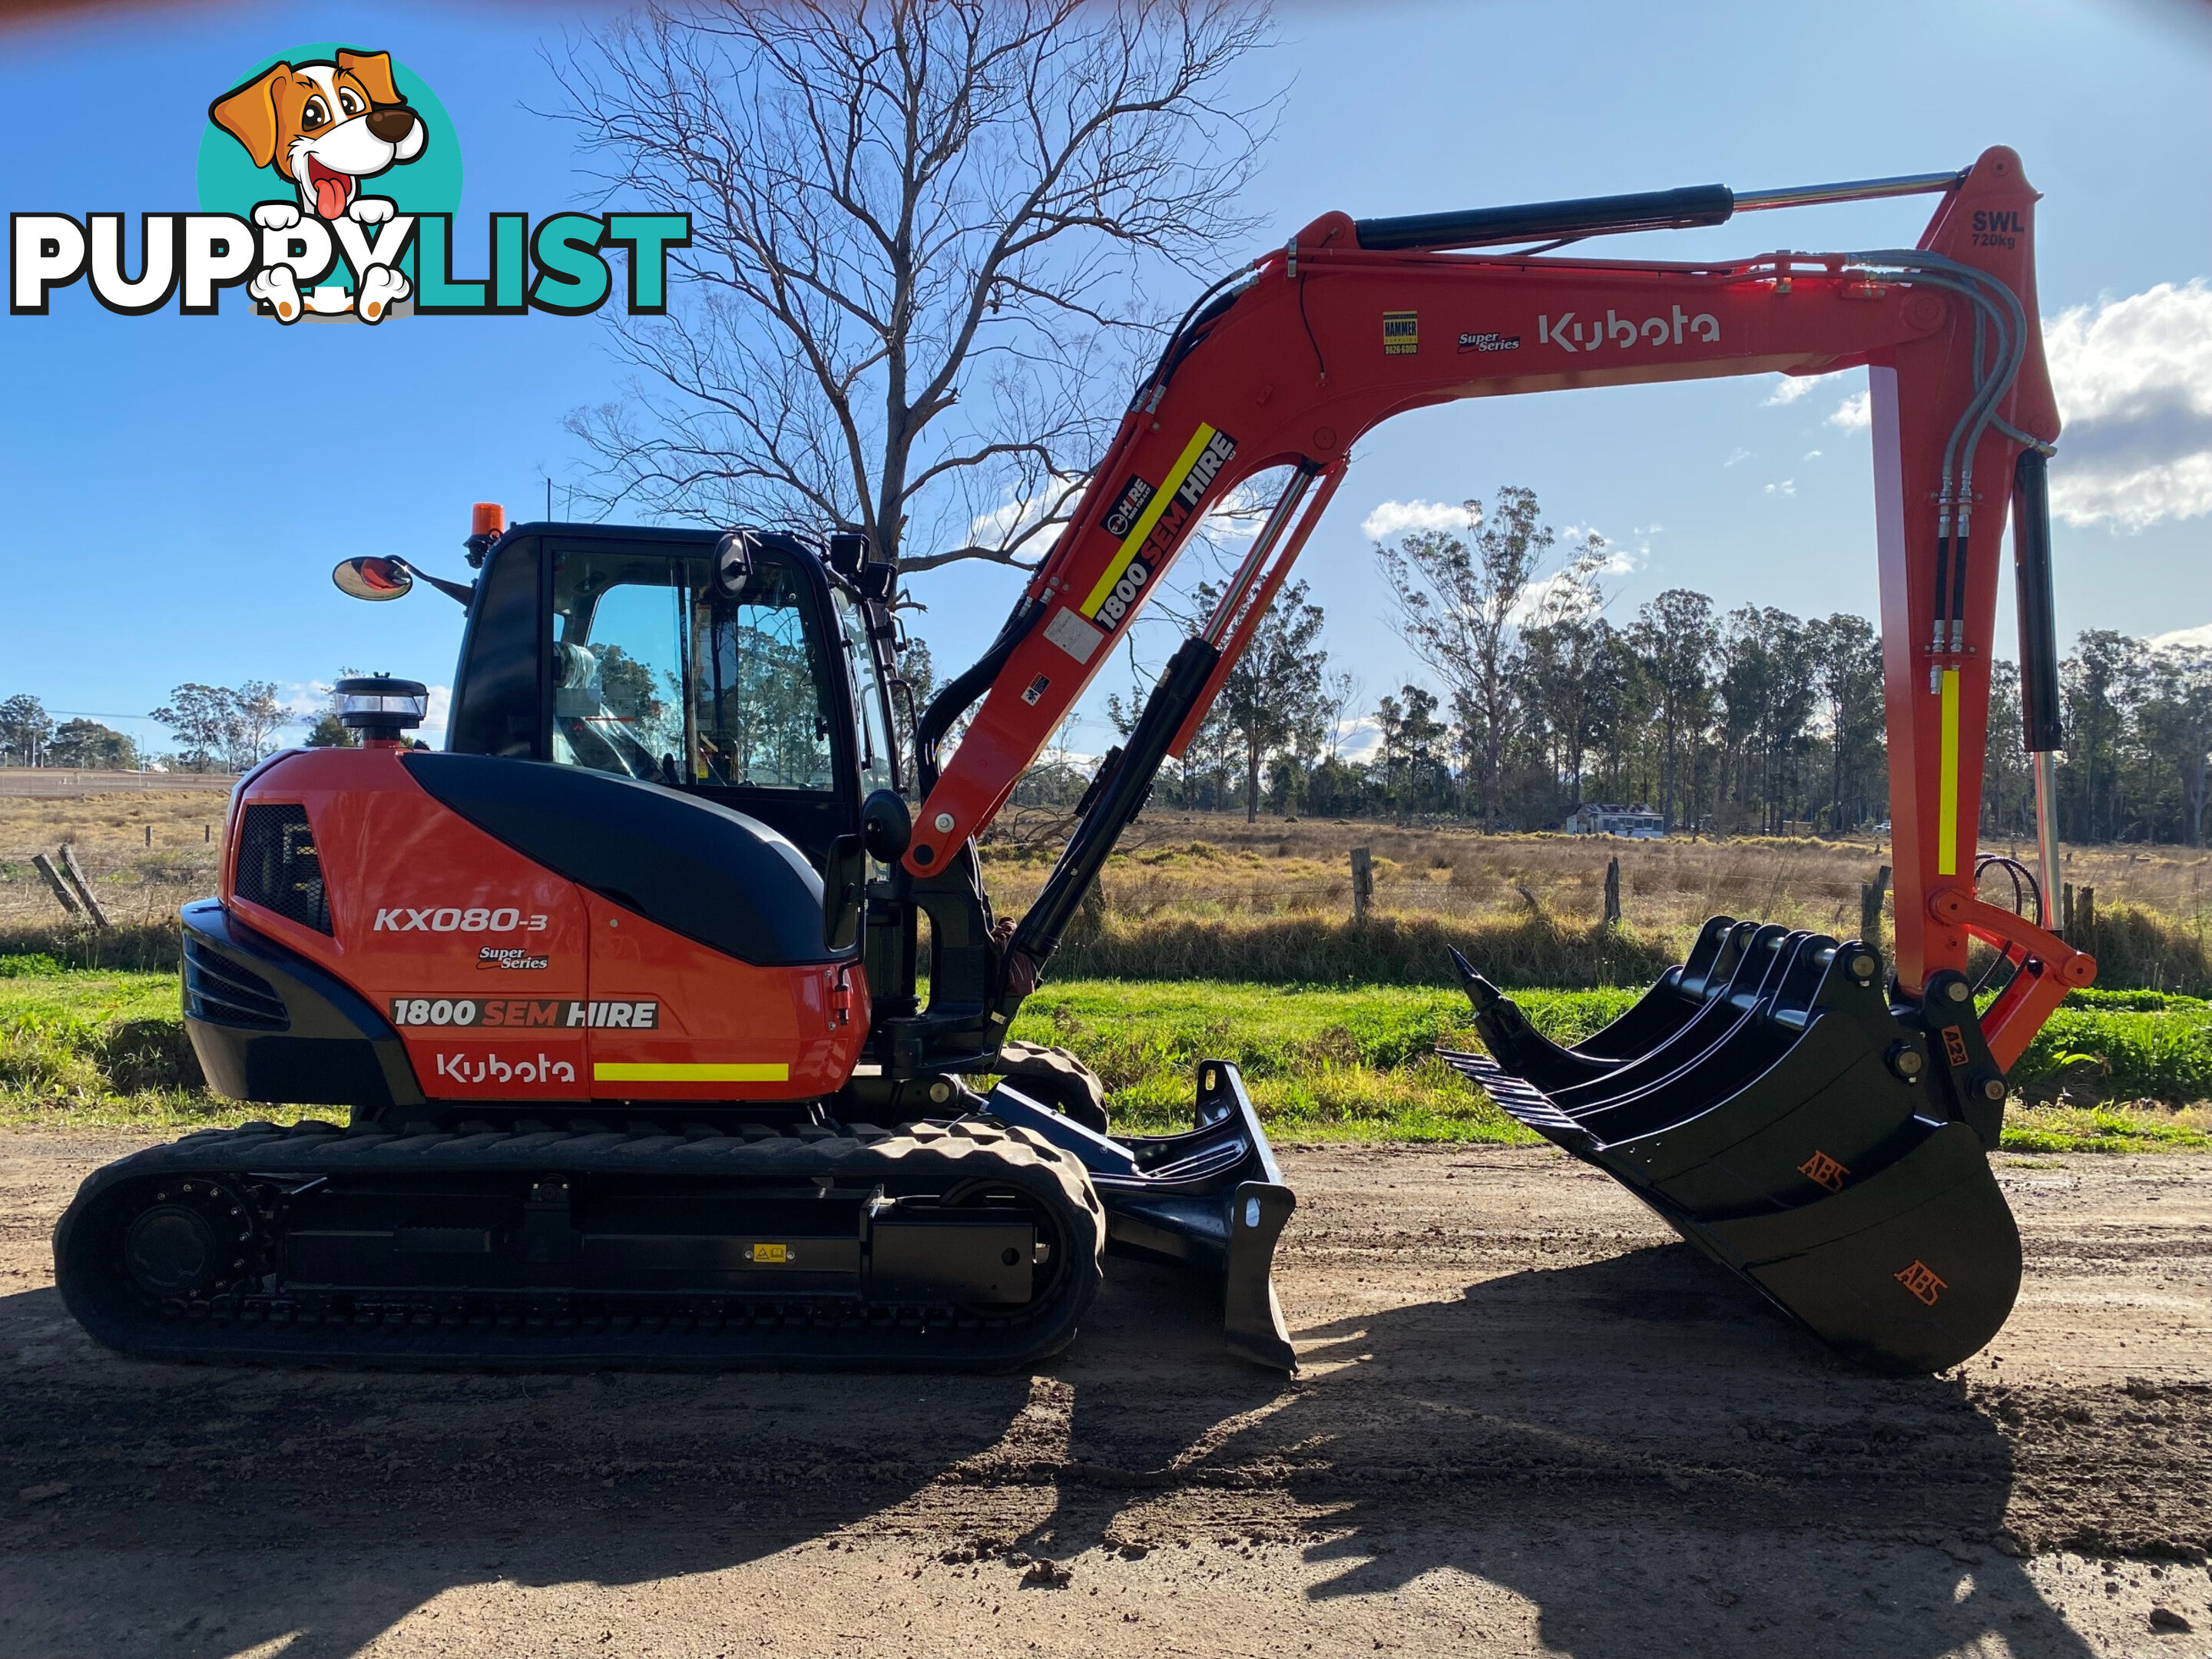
(1998, 307)
(948, 705)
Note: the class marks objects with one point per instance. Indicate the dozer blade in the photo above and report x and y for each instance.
(1210, 1199)
(1825, 1147)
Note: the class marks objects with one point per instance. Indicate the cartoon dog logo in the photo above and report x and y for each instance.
(325, 127)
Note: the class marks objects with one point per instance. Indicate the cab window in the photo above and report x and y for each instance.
(657, 676)
(878, 764)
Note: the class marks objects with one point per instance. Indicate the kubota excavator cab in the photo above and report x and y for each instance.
(590, 980)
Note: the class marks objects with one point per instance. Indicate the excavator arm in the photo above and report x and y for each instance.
(1287, 364)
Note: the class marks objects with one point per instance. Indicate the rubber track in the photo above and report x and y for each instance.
(533, 1329)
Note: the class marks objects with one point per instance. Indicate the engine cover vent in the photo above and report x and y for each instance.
(222, 992)
(277, 866)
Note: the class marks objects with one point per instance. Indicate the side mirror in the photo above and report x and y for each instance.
(886, 826)
(733, 562)
(373, 579)
(849, 550)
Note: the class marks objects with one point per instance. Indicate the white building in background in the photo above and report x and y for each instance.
(1611, 818)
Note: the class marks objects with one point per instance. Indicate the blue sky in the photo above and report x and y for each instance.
(177, 490)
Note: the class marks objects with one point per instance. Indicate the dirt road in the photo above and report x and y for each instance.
(1528, 1422)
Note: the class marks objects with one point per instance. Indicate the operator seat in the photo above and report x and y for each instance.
(585, 731)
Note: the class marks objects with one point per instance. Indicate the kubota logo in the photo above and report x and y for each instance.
(1615, 330)
(498, 1069)
(329, 180)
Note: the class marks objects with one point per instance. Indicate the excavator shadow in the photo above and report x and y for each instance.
(1656, 1460)
(206, 1510)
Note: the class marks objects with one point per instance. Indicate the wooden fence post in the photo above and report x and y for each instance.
(1613, 892)
(2085, 914)
(2066, 914)
(1363, 882)
(1870, 895)
(67, 900)
(74, 872)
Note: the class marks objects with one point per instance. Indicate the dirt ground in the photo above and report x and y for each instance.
(1527, 1423)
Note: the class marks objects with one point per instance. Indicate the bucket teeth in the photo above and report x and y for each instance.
(1766, 1100)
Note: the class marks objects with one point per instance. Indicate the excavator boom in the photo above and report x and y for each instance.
(1815, 1126)
(1353, 322)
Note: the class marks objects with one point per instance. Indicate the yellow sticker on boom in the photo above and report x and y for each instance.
(1946, 785)
(1188, 479)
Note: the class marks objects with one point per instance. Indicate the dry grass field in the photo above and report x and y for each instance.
(1208, 895)
(1204, 863)
(148, 843)
(1200, 892)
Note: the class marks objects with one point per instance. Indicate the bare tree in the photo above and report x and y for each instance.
(1342, 693)
(911, 302)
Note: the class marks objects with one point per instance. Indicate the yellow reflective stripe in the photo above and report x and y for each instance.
(1149, 517)
(623, 1071)
(1947, 788)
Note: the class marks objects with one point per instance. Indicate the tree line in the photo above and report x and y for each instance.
(1524, 699)
(216, 728)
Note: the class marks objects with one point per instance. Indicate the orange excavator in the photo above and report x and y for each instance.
(623, 989)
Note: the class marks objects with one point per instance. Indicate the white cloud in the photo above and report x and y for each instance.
(1736, 455)
(1552, 599)
(304, 701)
(1787, 487)
(1811, 454)
(1358, 739)
(1559, 598)
(1017, 512)
(2134, 380)
(1396, 518)
(1791, 387)
(433, 729)
(2183, 639)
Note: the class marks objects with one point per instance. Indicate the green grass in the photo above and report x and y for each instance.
(105, 1048)
(93, 1049)
(1322, 1064)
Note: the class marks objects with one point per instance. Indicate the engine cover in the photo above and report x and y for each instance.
(517, 932)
